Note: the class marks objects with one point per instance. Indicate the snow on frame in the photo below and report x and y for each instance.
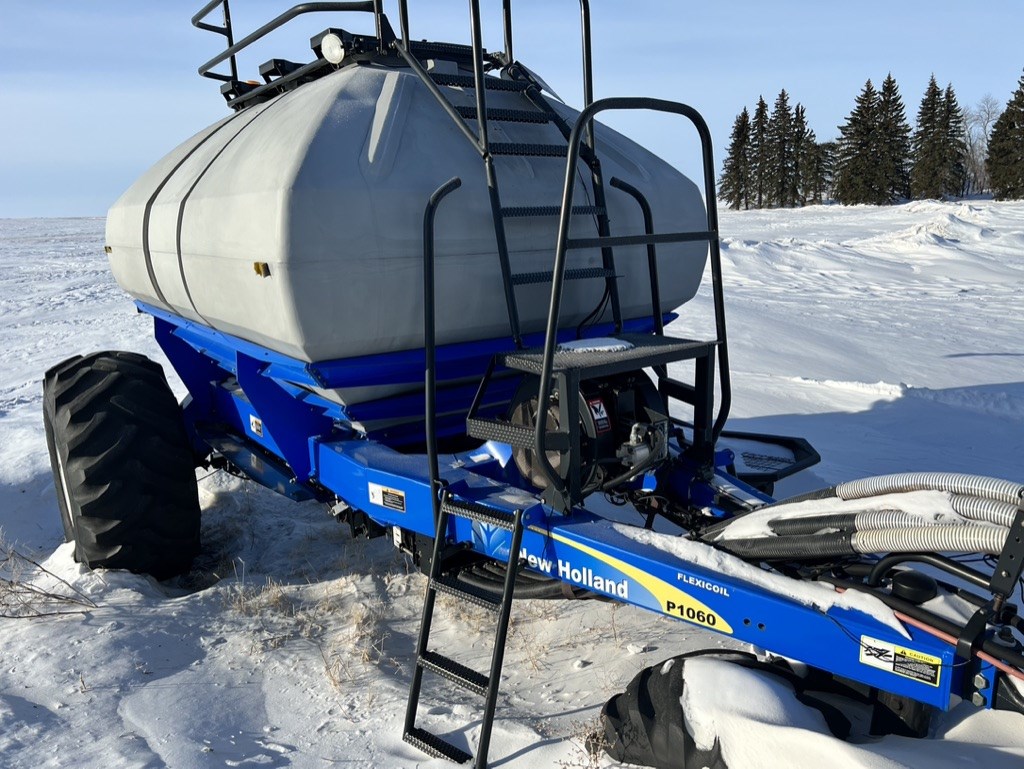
(820, 595)
(891, 338)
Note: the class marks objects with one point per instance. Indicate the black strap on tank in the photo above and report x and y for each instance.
(156, 193)
(188, 194)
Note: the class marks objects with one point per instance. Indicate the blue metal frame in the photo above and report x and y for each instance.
(261, 402)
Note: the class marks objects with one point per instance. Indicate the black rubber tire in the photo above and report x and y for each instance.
(646, 725)
(123, 467)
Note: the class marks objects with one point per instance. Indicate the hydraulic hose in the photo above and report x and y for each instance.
(966, 538)
(878, 571)
(989, 510)
(796, 548)
(858, 521)
(963, 538)
(954, 483)
(810, 496)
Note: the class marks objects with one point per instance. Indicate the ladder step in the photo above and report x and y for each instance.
(643, 351)
(499, 114)
(520, 149)
(423, 49)
(516, 436)
(586, 273)
(513, 211)
(434, 746)
(467, 81)
(466, 592)
(455, 672)
(475, 512)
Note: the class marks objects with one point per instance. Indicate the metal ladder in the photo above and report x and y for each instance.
(484, 685)
(536, 111)
(442, 573)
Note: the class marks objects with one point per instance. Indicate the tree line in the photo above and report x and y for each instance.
(775, 161)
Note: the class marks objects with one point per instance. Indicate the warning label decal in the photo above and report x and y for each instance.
(600, 414)
(908, 663)
(393, 499)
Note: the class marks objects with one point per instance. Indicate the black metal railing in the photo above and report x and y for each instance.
(430, 341)
(652, 252)
(481, 141)
(583, 125)
(225, 30)
(365, 6)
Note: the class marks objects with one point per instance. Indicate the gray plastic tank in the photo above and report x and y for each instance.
(326, 185)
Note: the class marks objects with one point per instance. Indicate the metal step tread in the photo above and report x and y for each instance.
(502, 115)
(466, 592)
(584, 273)
(513, 211)
(516, 436)
(426, 47)
(477, 512)
(467, 81)
(645, 350)
(522, 149)
(434, 746)
(455, 672)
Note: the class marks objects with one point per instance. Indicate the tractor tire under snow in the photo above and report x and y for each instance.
(646, 724)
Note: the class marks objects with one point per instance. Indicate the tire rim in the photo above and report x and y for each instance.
(66, 511)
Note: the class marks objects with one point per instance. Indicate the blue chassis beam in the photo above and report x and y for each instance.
(272, 407)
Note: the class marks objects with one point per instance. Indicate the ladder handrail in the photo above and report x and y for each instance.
(583, 123)
(481, 141)
(359, 6)
(652, 253)
(430, 337)
(226, 30)
(588, 64)
(424, 76)
(478, 76)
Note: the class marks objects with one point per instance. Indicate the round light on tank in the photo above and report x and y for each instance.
(332, 48)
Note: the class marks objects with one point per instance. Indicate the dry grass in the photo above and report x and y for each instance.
(28, 589)
(362, 642)
(588, 745)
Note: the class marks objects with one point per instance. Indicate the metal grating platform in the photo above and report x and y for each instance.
(647, 350)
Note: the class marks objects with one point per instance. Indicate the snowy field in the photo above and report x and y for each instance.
(891, 338)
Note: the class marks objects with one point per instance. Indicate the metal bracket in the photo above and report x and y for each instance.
(1011, 561)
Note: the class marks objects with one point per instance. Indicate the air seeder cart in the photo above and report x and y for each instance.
(406, 280)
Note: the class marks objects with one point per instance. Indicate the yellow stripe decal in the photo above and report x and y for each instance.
(671, 599)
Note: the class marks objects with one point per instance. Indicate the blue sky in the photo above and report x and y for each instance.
(95, 91)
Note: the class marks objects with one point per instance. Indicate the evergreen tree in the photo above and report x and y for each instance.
(954, 130)
(929, 174)
(1005, 162)
(895, 141)
(734, 185)
(805, 146)
(859, 174)
(759, 153)
(824, 186)
(781, 176)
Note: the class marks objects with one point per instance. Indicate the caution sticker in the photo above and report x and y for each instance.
(601, 421)
(904, 662)
(393, 499)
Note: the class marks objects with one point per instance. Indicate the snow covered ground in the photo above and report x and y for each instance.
(891, 338)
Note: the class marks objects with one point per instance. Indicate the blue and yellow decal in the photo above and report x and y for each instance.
(670, 599)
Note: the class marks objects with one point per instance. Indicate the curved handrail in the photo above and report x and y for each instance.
(584, 123)
(652, 253)
(362, 6)
(429, 334)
